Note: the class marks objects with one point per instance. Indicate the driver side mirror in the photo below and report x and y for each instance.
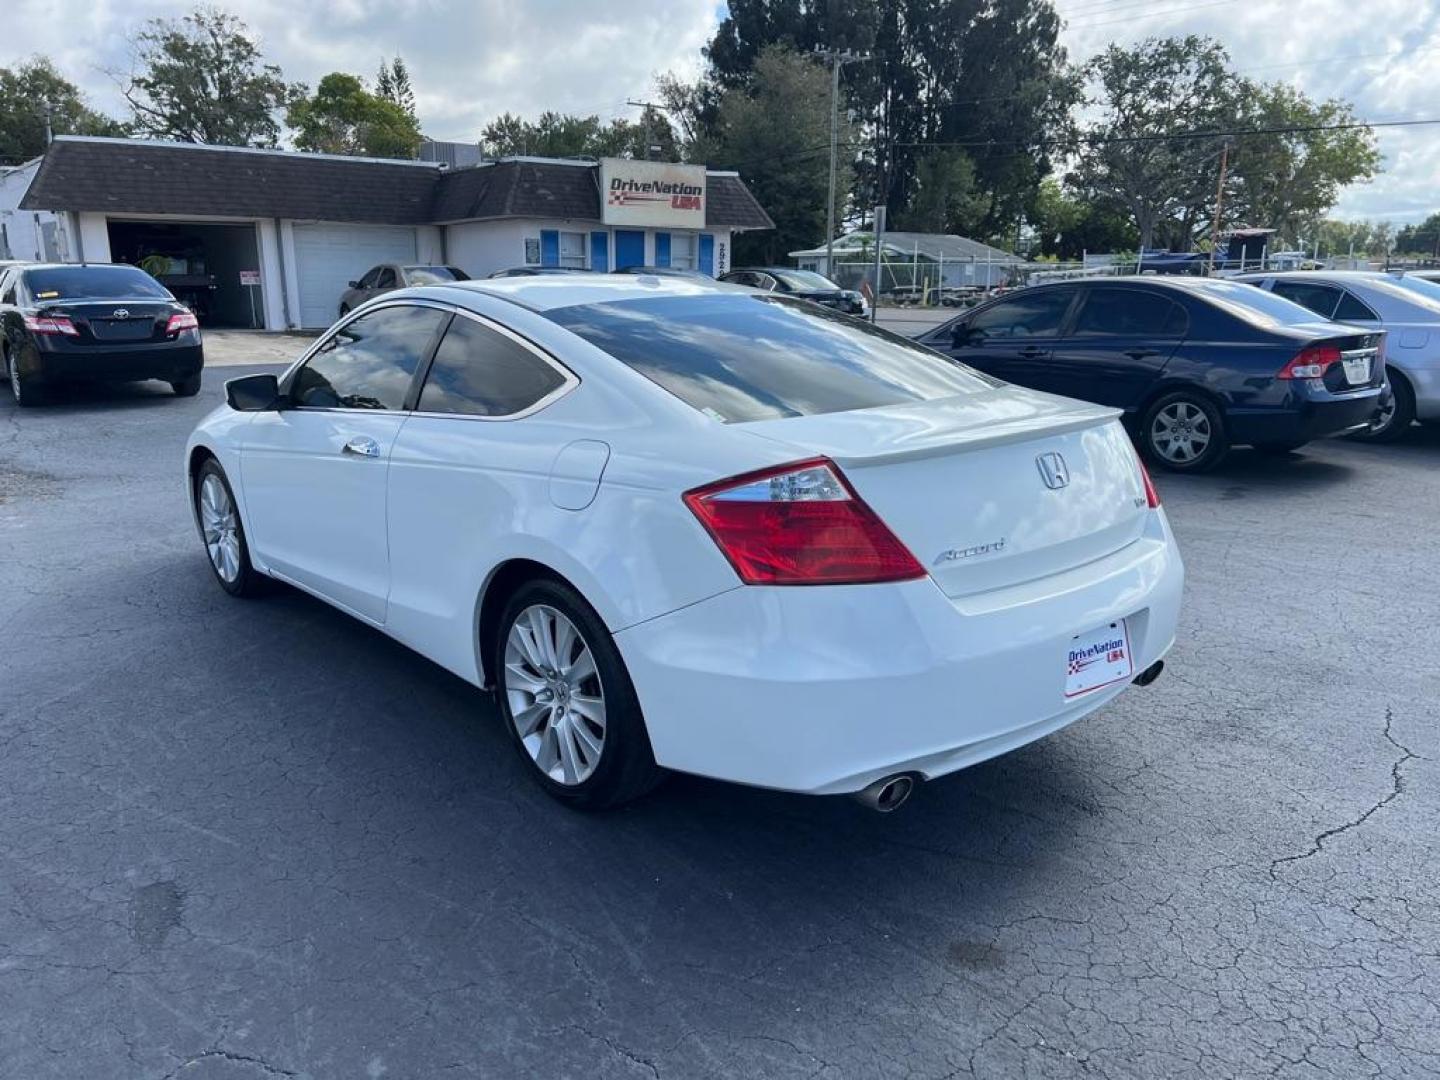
(354, 284)
(962, 335)
(253, 393)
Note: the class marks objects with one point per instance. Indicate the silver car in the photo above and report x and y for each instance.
(387, 277)
(1406, 305)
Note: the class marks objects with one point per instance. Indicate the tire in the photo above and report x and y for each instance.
(187, 387)
(1396, 420)
(1279, 448)
(25, 389)
(1184, 432)
(590, 757)
(230, 563)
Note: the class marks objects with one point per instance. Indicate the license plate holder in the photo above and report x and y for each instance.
(1357, 371)
(1097, 658)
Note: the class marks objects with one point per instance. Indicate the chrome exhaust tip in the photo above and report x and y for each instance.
(1150, 674)
(888, 794)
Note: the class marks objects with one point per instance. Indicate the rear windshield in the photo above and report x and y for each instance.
(739, 357)
(434, 275)
(93, 283)
(1255, 305)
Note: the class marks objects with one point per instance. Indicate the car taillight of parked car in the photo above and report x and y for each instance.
(183, 320)
(1311, 363)
(51, 324)
(800, 524)
(1152, 497)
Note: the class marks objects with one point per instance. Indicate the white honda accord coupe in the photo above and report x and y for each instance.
(690, 526)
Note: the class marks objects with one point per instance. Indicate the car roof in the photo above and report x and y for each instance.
(1318, 275)
(545, 292)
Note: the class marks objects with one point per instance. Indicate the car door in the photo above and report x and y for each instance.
(1117, 345)
(388, 280)
(314, 471)
(1012, 338)
(479, 459)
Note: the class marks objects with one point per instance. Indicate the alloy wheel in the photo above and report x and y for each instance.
(221, 528)
(1180, 432)
(554, 693)
(1384, 418)
(15, 387)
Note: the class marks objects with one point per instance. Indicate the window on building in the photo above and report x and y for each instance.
(572, 250)
(682, 251)
(532, 251)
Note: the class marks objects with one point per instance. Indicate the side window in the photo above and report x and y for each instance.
(1352, 307)
(1129, 313)
(369, 362)
(386, 279)
(1037, 314)
(368, 281)
(1321, 299)
(481, 372)
(7, 288)
(764, 281)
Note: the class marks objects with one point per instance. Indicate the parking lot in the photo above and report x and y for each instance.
(257, 839)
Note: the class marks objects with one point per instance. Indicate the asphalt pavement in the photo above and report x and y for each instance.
(255, 839)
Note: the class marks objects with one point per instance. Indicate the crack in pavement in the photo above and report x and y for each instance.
(1397, 788)
(226, 1055)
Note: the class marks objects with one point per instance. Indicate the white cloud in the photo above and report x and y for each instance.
(473, 59)
(470, 60)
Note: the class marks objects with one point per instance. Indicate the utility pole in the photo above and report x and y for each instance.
(646, 106)
(1219, 202)
(836, 59)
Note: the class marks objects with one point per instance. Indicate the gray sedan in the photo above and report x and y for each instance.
(1406, 305)
(387, 277)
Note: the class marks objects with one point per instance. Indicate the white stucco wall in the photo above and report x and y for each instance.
(23, 236)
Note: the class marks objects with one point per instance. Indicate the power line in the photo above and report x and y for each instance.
(1151, 15)
(1097, 140)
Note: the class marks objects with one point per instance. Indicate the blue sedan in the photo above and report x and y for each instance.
(1197, 365)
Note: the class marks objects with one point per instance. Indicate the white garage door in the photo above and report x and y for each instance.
(330, 256)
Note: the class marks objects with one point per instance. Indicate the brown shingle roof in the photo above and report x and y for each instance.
(120, 176)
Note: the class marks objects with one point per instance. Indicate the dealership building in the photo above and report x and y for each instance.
(270, 239)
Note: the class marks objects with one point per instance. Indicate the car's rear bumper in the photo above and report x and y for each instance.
(115, 363)
(826, 689)
(1306, 415)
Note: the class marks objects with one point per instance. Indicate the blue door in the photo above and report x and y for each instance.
(662, 249)
(549, 247)
(599, 252)
(629, 248)
(707, 254)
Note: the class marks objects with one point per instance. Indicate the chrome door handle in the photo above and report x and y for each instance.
(361, 446)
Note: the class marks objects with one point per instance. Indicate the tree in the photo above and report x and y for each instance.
(562, 135)
(1422, 239)
(1147, 93)
(1288, 179)
(393, 84)
(202, 80)
(776, 131)
(1068, 225)
(944, 192)
(986, 77)
(344, 118)
(25, 93)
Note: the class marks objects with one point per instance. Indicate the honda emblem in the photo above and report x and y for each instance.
(1053, 471)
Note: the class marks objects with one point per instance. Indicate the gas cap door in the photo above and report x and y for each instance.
(575, 475)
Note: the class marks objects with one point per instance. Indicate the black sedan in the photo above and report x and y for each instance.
(95, 322)
(1197, 365)
(804, 284)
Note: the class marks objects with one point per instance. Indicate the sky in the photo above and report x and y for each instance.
(471, 60)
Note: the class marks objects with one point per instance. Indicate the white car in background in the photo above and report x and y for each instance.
(1406, 305)
(682, 525)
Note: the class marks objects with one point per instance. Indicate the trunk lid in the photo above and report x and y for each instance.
(986, 490)
(111, 322)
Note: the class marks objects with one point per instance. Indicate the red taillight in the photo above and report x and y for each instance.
(1152, 497)
(51, 324)
(800, 524)
(1311, 363)
(182, 321)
